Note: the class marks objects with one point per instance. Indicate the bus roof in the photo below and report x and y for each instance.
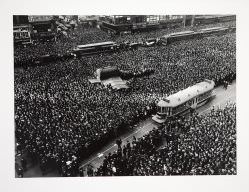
(186, 94)
(212, 28)
(179, 33)
(205, 16)
(210, 16)
(95, 44)
(41, 22)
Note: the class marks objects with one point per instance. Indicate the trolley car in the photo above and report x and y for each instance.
(170, 38)
(213, 31)
(184, 101)
(95, 48)
(185, 35)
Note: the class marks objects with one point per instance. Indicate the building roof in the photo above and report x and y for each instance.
(186, 94)
(41, 22)
(15, 27)
(38, 18)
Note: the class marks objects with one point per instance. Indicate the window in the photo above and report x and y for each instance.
(175, 16)
(21, 35)
(179, 108)
(190, 102)
(168, 111)
(204, 96)
(162, 109)
(152, 18)
(162, 17)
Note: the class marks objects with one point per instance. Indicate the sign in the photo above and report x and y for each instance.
(34, 18)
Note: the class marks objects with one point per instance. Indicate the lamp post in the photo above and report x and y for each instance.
(168, 54)
(184, 20)
(192, 20)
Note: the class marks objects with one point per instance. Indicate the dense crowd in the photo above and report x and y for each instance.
(24, 55)
(205, 146)
(63, 45)
(61, 117)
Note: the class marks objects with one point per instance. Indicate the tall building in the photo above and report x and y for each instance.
(43, 27)
(130, 23)
(20, 20)
(21, 29)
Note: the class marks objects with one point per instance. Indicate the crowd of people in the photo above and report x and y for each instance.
(61, 117)
(24, 55)
(27, 54)
(205, 146)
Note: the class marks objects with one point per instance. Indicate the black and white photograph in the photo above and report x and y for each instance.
(124, 95)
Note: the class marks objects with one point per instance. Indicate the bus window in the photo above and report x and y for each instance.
(170, 111)
(164, 109)
(160, 109)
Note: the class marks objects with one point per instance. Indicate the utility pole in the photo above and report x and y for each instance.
(184, 21)
(192, 20)
(168, 54)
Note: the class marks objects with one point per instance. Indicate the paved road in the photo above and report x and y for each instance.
(222, 96)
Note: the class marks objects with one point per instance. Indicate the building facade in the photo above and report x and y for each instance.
(131, 23)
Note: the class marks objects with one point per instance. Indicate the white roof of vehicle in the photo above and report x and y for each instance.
(186, 94)
(95, 44)
(212, 28)
(179, 33)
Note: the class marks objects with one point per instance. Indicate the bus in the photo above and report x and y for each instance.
(211, 19)
(184, 101)
(213, 31)
(95, 48)
(166, 39)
